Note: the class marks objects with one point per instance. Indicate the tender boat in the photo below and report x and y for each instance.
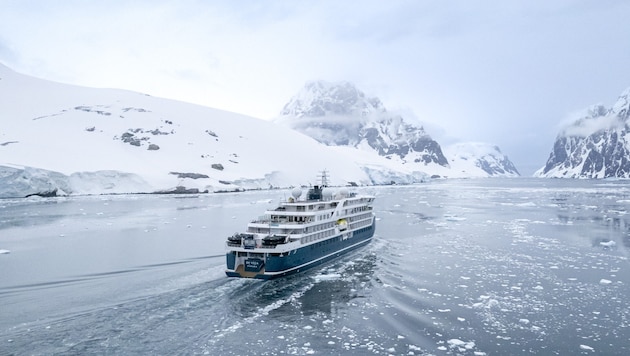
(301, 233)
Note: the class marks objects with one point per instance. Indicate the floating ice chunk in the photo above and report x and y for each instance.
(459, 343)
(442, 348)
(524, 321)
(327, 277)
(4, 252)
(608, 243)
(444, 310)
(605, 281)
(586, 347)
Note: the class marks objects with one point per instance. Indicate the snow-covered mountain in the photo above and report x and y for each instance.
(64, 139)
(478, 159)
(339, 114)
(597, 145)
(59, 139)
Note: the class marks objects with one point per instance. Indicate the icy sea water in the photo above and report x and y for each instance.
(457, 267)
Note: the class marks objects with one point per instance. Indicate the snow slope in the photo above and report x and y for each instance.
(479, 159)
(59, 139)
(115, 141)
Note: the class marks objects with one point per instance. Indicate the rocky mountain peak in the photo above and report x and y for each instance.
(339, 114)
(622, 107)
(597, 145)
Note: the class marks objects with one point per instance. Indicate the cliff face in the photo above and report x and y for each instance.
(595, 146)
(338, 114)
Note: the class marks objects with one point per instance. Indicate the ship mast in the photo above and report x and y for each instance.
(324, 178)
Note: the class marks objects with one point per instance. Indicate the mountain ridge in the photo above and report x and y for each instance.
(596, 145)
(339, 114)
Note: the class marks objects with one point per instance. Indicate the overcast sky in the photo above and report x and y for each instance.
(503, 72)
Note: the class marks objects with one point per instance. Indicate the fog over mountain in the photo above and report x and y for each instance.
(596, 145)
(339, 114)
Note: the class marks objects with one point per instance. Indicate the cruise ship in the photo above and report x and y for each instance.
(302, 232)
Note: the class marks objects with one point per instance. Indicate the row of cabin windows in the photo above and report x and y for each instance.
(299, 219)
(325, 242)
(355, 202)
(318, 236)
(314, 207)
(324, 216)
(360, 223)
(359, 217)
(360, 208)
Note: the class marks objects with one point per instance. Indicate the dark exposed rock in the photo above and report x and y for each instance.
(217, 166)
(600, 155)
(48, 194)
(135, 109)
(189, 175)
(153, 147)
(211, 133)
(130, 138)
(91, 109)
(158, 132)
(182, 190)
(594, 146)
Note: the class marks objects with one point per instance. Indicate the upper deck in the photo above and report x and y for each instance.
(319, 205)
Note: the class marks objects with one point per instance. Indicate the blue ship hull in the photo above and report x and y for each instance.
(276, 265)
